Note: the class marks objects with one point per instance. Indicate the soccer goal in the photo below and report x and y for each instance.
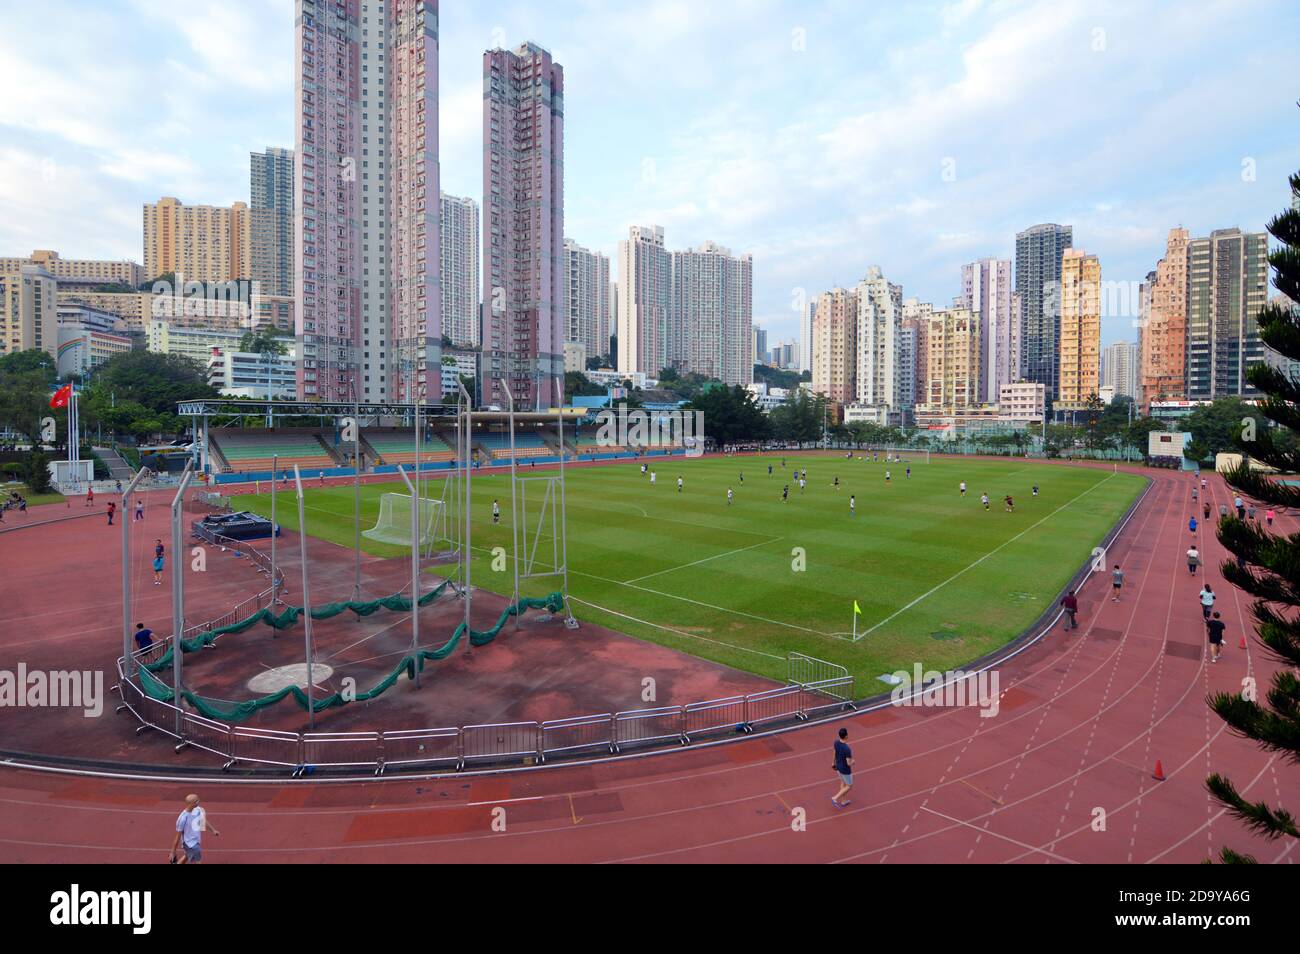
(394, 524)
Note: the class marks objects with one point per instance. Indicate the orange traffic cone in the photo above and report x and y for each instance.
(1242, 644)
(1159, 775)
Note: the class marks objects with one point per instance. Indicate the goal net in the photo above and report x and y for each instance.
(394, 524)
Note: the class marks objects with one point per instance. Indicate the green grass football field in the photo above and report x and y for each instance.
(939, 580)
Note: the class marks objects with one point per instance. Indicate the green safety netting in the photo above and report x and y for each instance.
(235, 711)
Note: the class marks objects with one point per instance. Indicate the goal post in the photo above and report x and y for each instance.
(394, 523)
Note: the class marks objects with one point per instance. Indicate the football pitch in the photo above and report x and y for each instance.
(938, 579)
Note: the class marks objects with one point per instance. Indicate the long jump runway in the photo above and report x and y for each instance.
(1062, 774)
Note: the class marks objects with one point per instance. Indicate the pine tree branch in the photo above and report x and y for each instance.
(1256, 816)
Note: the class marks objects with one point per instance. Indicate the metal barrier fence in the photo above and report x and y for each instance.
(801, 668)
(517, 742)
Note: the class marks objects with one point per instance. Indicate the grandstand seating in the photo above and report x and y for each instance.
(398, 447)
(497, 443)
(252, 451)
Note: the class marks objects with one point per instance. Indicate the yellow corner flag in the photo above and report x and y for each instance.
(857, 610)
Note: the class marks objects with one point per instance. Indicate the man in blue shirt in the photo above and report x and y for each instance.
(843, 768)
(143, 637)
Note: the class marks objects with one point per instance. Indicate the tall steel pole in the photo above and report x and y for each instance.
(415, 573)
(356, 493)
(126, 573)
(308, 652)
(469, 499)
(514, 505)
(178, 591)
(563, 529)
(275, 527)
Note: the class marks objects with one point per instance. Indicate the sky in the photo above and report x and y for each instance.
(820, 137)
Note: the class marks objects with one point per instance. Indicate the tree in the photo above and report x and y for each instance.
(37, 476)
(33, 359)
(1214, 427)
(1271, 570)
(731, 415)
(148, 381)
(576, 384)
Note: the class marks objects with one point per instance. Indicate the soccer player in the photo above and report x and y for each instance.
(1214, 630)
(496, 512)
(1116, 582)
(652, 478)
(742, 476)
(322, 478)
(728, 496)
(909, 471)
(886, 476)
(769, 470)
(643, 470)
(1035, 490)
(785, 493)
(984, 499)
(802, 482)
(837, 483)
(963, 488)
(1011, 506)
(679, 484)
(853, 506)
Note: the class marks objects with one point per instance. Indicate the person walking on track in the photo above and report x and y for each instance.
(1070, 604)
(843, 768)
(191, 823)
(1214, 631)
(1193, 559)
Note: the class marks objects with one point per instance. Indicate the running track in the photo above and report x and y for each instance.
(1084, 718)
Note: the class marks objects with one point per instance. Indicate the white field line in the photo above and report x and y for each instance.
(1006, 543)
(678, 632)
(718, 556)
(712, 606)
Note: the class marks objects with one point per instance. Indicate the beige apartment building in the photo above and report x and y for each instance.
(835, 345)
(1022, 401)
(199, 243)
(1080, 333)
(131, 307)
(953, 365)
(29, 316)
(78, 271)
(1163, 364)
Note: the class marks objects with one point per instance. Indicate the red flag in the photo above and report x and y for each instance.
(61, 396)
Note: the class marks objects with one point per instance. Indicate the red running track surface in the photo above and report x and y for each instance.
(1084, 718)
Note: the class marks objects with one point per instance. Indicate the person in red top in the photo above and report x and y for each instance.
(112, 509)
(1071, 606)
(90, 496)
